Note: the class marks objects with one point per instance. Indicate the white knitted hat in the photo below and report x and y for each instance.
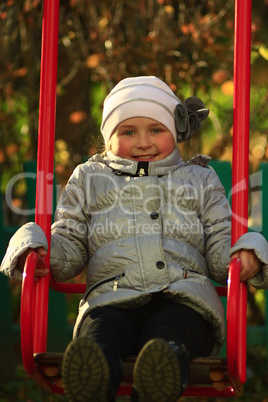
(139, 97)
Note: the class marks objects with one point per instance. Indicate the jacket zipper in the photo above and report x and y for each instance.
(115, 278)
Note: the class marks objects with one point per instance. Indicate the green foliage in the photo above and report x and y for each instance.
(97, 94)
(187, 44)
(14, 136)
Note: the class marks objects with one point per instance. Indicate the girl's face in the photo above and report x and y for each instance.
(142, 139)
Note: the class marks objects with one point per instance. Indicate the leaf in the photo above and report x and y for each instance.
(264, 52)
(254, 56)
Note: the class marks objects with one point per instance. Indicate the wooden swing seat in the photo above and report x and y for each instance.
(205, 372)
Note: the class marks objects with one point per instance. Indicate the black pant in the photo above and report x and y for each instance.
(125, 331)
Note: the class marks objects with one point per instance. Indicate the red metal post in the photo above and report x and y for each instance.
(45, 157)
(241, 105)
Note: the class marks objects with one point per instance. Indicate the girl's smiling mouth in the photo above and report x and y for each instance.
(144, 157)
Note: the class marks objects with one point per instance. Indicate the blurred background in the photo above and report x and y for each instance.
(186, 43)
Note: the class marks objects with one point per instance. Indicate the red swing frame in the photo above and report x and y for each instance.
(34, 297)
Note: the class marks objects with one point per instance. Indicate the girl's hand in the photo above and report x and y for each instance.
(250, 264)
(41, 268)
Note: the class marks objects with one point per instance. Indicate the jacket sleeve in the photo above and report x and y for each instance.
(257, 243)
(29, 235)
(69, 234)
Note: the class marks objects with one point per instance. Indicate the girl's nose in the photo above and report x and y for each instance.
(144, 140)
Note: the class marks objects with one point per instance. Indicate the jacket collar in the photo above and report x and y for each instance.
(133, 168)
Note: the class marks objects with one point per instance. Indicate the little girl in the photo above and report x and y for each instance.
(153, 232)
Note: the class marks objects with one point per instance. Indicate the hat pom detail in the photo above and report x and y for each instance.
(188, 117)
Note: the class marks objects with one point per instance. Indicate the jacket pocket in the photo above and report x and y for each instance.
(114, 279)
(191, 273)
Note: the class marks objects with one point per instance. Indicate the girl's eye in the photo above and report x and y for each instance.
(129, 132)
(156, 130)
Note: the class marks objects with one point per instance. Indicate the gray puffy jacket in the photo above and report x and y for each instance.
(142, 229)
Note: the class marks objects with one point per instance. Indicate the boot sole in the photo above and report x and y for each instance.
(157, 374)
(85, 372)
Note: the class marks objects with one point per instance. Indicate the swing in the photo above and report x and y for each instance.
(209, 376)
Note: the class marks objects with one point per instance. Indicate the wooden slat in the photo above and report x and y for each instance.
(201, 368)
